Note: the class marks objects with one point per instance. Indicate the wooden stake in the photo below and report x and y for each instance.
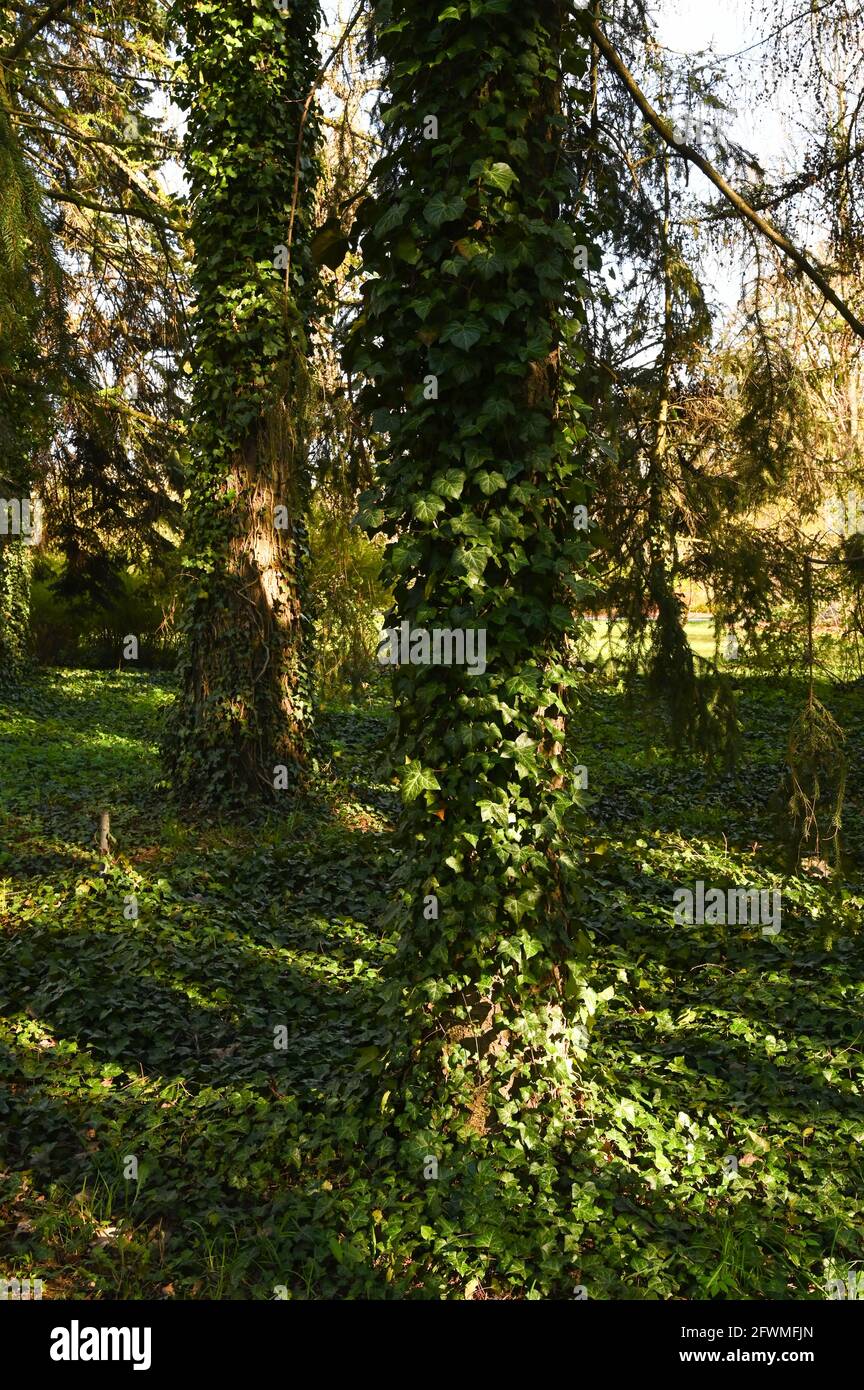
(104, 832)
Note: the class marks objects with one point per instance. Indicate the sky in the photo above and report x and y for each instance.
(771, 127)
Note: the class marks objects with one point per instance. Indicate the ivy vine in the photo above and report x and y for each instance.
(469, 243)
(251, 149)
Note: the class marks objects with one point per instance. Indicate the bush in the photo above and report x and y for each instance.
(80, 632)
(346, 598)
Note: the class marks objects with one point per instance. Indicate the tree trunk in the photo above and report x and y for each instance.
(242, 719)
(15, 570)
(473, 249)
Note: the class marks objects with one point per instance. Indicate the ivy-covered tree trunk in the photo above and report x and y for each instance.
(244, 704)
(472, 251)
(29, 319)
(15, 571)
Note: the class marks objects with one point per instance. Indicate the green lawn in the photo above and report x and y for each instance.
(700, 635)
(152, 1037)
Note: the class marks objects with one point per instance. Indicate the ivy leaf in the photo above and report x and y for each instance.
(442, 209)
(407, 249)
(501, 176)
(417, 779)
(562, 617)
(369, 519)
(522, 685)
(366, 1057)
(427, 507)
(496, 409)
(463, 335)
(489, 482)
(393, 217)
(475, 454)
(449, 484)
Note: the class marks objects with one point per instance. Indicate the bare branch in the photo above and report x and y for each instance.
(686, 151)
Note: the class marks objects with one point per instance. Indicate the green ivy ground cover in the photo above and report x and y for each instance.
(152, 1037)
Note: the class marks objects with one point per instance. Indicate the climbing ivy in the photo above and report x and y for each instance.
(244, 707)
(15, 570)
(469, 244)
(30, 319)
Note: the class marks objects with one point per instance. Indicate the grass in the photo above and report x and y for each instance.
(700, 635)
(157, 1141)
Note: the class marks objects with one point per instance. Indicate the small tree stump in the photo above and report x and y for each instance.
(104, 835)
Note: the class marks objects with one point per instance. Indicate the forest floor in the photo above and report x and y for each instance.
(154, 1142)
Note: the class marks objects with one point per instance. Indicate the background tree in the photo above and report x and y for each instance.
(93, 271)
(244, 703)
(711, 461)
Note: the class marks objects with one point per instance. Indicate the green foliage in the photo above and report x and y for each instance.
(29, 297)
(91, 281)
(574, 1065)
(154, 1037)
(346, 597)
(817, 772)
(468, 245)
(775, 432)
(16, 564)
(81, 631)
(244, 702)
